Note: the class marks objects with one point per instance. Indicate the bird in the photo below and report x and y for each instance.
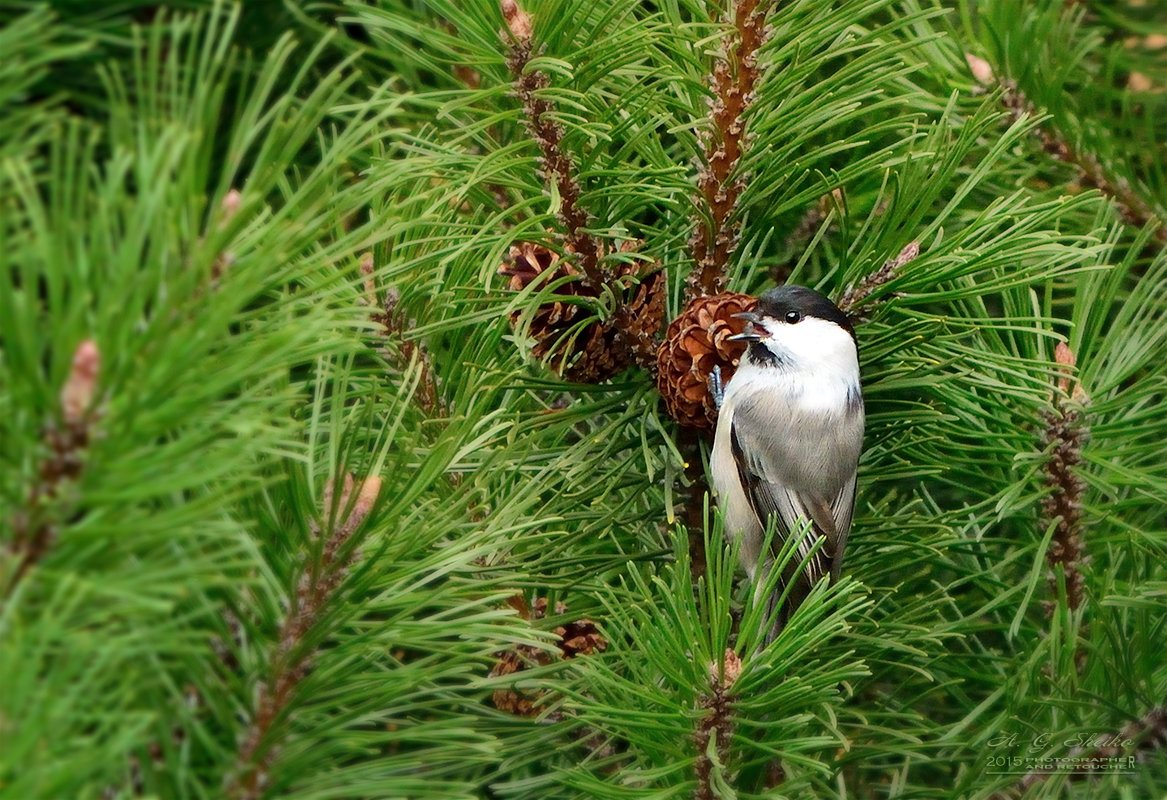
(788, 440)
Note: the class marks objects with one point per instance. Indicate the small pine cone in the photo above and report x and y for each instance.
(595, 352)
(525, 263)
(539, 608)
(596, 357)
(696, 342)
(513, 700)
(578, 638)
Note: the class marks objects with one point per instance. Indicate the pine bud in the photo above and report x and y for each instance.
(229, 205)
(727, 673)
(77, 393)
(367, 268)
(982, 72)
(518, 21)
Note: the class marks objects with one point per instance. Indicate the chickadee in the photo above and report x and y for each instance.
(788, 440)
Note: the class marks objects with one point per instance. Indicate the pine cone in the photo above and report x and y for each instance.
(643, 317)
(601, 349)
(516, 701)
(579, 638)
(696, 342)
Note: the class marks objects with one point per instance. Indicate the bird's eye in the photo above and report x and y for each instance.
(793, 317)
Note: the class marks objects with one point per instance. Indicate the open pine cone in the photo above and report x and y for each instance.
(601, 349)
(696, 342)
(578, 638)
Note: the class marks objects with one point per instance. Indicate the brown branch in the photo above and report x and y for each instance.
(555, 165)
(466, 75)
(858, 294)
(694, 490)
(716, 726)
(631, 333)
(1136, 741)
(1132, 207)
(290, 663)
(388, 314)
(1064, 434)
(472, 80)
(35, 525)
(732, 83)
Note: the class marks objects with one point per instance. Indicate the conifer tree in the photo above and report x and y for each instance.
(354, 409)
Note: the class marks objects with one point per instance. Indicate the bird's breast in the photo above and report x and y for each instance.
(811, 433)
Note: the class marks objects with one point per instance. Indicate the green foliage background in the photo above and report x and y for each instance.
(243, 368)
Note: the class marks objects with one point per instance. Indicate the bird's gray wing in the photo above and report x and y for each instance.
(770, 495)
(842, 510)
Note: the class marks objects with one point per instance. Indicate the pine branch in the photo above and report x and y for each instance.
(1064, 432)
(715, 730)
(556, 165)
(858, 294)
(631, 333)
(518, 486)
(291, 662)
(1132, 206)
(34, 527)
(733, 82)
(387, 313)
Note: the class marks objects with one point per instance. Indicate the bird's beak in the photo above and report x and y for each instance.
(751, 332)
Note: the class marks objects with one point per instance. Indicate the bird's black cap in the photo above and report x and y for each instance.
(778, 302)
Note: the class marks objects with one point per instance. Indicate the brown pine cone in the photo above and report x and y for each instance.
(578, 638)
(643, 317)
(527, 261)
(519, 702)
(696, 342)
(601, 349)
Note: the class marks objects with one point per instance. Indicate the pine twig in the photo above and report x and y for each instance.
(466, 75)
(290, 663)
(716, 726)
(630, 335)
(556, 165)
(472, 79)
(858, 293)
(34, 528)
(1065, 433)
(1136, 741)
(387, 313)
(733, 81)
(1133, 207)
